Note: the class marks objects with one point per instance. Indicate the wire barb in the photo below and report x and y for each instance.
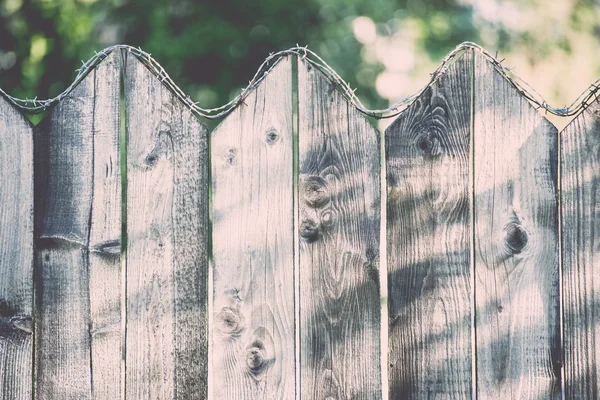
(304, 53)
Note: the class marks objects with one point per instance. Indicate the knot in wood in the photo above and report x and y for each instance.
(109, 247)
(428, 144)
(151, 159)
(228, 321)
(230, 156)
(515, 237)
(327, 218)
(255, 359)
(309, 230)
(272, 136)
(316, 192)
(23, 324)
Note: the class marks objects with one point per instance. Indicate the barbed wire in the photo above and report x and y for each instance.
(35, 106)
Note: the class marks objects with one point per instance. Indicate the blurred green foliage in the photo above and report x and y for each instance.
(211, 48)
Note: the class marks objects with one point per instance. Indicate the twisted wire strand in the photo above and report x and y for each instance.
(34, 106)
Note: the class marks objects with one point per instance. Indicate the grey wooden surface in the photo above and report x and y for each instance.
(580, 198)
(518, 347)
(78, 340)
(428, 242)
(473, 169)
(16, 254)
(104, 252)
(253, 267)
(167, 206)
(339, 204)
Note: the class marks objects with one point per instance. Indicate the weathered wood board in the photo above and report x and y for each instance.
(167, 222)
(16, 254)
(339, 216)
(518, 347)
(580, 200)
(253, 276)
(428, 241)
(78, 326)
(472, 238)
(105, 283)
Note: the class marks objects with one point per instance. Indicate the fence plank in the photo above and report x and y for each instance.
(339, 244)
(105, 234)
(167, 182)
(253, 331)
(428, 242)
(16, 254)
(580, 199)
(516, 246)
(75, 339)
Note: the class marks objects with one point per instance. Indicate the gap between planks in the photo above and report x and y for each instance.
(472, 226)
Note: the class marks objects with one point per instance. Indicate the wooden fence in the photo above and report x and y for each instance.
(481, 220)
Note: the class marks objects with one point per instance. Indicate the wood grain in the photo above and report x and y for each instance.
(516, 243)
(167, 221)
(339, 197)
(253, 275)
(580, 209)
(428, 241)
(16, 254)
(77, 213)
(105, 234)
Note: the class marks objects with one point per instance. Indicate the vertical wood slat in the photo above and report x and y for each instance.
(516, 243)
(516, 267)
(339, 204)
(580, 208)
(167, 210)
(105, 234)
(253, 276)
(77, 223)
(16, 254)
(428, 242)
